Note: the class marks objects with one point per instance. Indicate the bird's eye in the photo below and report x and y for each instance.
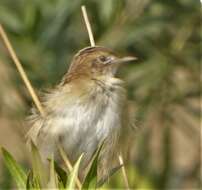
(102, 58)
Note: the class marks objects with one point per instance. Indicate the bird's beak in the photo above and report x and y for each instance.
(124, 60)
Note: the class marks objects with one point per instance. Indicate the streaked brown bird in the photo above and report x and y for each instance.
(87, 107)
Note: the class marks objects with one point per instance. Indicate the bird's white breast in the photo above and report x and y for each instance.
(82, 124)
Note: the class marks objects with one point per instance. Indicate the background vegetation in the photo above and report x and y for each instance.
(163, 85)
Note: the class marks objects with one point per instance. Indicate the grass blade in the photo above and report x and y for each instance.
(68, 164)
(73, 175)
(62, 175)
(39, 170)
(90, 181)
(52, 184)
(31, 182)
(16, 171)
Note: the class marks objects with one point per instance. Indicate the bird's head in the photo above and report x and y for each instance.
(97, 61)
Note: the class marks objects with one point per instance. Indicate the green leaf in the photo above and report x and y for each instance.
(16, 171)
(30, 183)
(62, 174)
(39, 170)
(29, 180)
(73, 175)
(90, 181)
(36, 184)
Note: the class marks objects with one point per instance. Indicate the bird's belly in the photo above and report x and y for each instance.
(81, 130)
(82, 125)
(88, 130)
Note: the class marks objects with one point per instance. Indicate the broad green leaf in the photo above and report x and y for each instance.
(39, 170)
(16, 171)
(73, 177)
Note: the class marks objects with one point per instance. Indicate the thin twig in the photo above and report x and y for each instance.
(92, 41)
(124, 172)
(21, 70)
(28, 84)
(88, 26)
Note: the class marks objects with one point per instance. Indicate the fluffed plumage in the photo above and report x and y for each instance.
(87, 107)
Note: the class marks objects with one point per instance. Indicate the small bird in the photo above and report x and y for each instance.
(85, 109)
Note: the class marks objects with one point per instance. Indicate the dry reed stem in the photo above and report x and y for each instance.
(124, 172)
(21, 70)
(88, 26)
(27, 83)
(92, 42)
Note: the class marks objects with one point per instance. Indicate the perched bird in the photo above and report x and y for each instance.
(86, 108)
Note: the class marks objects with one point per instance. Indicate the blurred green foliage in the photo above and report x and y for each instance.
(163, 85)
